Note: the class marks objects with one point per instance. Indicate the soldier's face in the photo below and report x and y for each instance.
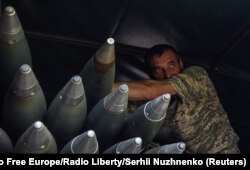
(165, 66)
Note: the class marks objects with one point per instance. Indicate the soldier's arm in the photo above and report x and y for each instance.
(146, 89)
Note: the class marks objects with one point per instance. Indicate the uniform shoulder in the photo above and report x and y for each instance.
(195, 70)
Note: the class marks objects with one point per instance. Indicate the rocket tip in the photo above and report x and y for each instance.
(138, 141)
(25, 68)
(9, 10)
(182, 146)
(123, 88)
(166, 97)
(38, 125)
(110, 41)
(91, 133)
(76, 79)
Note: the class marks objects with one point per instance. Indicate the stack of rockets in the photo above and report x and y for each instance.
(85, 117)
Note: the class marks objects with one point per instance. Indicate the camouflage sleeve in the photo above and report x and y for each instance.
(192, 84)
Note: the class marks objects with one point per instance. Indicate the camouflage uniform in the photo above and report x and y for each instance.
(200, 119)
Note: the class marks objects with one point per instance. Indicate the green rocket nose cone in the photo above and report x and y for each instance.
(85, 143)
(10, 23)
(35, 136)
(117, 101)
(73, 93)
(106, 53)
(174, 148)
(25, 83)
(36, 139)
(156, 109)
(130, 146)
(11, 30)
(6, 145)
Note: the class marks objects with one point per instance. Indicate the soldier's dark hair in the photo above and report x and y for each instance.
(157, 50)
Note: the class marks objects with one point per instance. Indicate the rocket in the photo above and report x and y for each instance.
(146, 121)
(129, 146)
(37, 139)
(174, 148)
(6, 145)
(14, 48)
(86, 143)
(67, 112)
(24, 103)
(98, 73)
(108, 116)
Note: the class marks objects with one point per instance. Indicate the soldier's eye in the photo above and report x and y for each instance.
(171, 66)
(157, 70)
